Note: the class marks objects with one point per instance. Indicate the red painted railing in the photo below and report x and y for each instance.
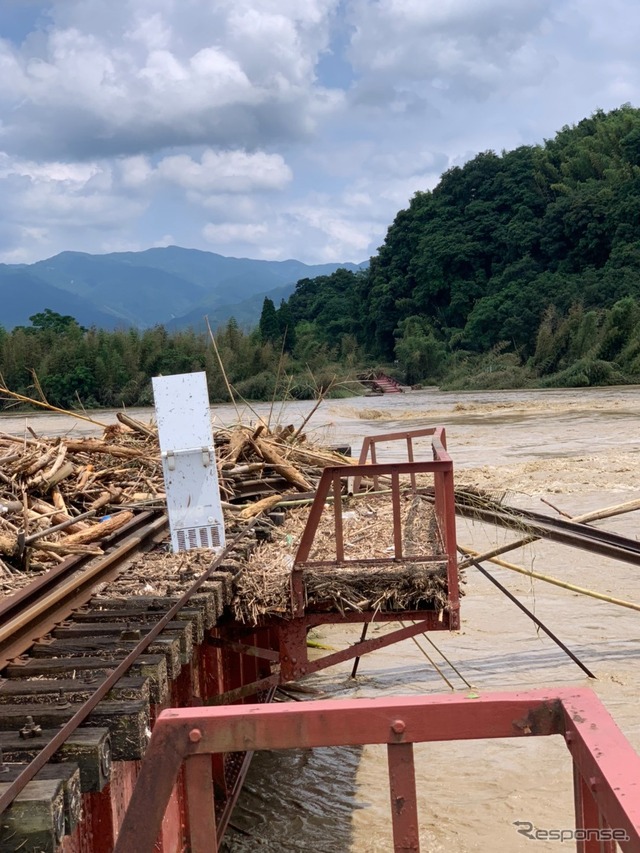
(444, 502)
(606, 769)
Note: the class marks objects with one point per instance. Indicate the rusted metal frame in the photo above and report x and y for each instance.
(294, 658)
(158, 775)
(364, 647)
(223, 815)
(238, 693)
(369, 448)
(451, 548)
(292, 644)
(250, 668)
(433, 619)
(327, 477)
(301, 665)
(313, 618)
(203, 834)
(411, 459)
(243, 648)
(386, 468)
(181, 733)
(589, 820)
(438, 445)
(315, 514)
(608, 771)
(68, 591)
(111, 680)
(598, 748)
(402, 790)
(397, 516)
(297, 592)
(337, 514)
(370, 441)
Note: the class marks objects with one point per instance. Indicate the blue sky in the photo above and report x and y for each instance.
(277, 128)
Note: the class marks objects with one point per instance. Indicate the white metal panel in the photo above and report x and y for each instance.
(189, 462)
(182, 411)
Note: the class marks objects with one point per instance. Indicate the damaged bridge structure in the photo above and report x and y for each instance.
(128, 718)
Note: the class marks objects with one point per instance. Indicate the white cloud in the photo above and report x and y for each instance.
(148, 122)
(462, 46)
(135, 171)
(235, 233)
(226, 172)
(109, 79)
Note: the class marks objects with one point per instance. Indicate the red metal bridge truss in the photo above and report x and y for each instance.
(284, 640)
(203, 752)
(606, 771)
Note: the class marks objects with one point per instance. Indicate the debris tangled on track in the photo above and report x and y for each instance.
(263, 584)
(62, 496)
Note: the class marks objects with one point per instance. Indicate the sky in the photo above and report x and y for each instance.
(277, 129)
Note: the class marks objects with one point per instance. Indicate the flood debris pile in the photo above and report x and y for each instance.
(64, 496)
(263, 585)
(255, 462)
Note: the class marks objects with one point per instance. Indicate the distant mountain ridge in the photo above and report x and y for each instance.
(172, 286)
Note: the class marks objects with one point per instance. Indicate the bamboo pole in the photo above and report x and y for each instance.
(276, 461)
(259, 507)
(136, 426)
(600, 596)
(223, 371)
(22, 399)
(100, 530)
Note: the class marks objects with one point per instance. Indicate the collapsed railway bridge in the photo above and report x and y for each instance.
(128, 717)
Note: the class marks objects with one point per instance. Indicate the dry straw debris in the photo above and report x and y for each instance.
(263, 585)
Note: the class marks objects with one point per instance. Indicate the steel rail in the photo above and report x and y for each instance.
(580, 527)
(43, 604)
(576, 534)
(33, 590)
(88, 706)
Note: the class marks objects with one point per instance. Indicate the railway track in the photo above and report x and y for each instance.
(83, 677)
(48, 600)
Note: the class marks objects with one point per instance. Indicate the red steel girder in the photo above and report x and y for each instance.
(294, 659)
(607, 769)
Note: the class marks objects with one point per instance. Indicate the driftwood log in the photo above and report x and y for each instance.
(48, 483)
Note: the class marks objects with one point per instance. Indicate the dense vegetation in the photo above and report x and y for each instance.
(92, 367)
(519, 268)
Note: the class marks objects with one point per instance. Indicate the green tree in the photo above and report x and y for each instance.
(269, 324)
(420, 354)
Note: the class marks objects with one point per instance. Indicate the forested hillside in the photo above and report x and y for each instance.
(528, 260)
(520, 268)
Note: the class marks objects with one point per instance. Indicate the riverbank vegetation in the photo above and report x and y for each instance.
(519, 269)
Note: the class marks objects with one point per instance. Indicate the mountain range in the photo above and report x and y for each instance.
(172, 286)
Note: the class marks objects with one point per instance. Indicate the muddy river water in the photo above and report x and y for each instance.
(579, 449)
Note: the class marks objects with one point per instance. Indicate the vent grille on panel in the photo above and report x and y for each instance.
(198, 537)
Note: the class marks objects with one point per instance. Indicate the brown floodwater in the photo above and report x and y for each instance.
(579, 449)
